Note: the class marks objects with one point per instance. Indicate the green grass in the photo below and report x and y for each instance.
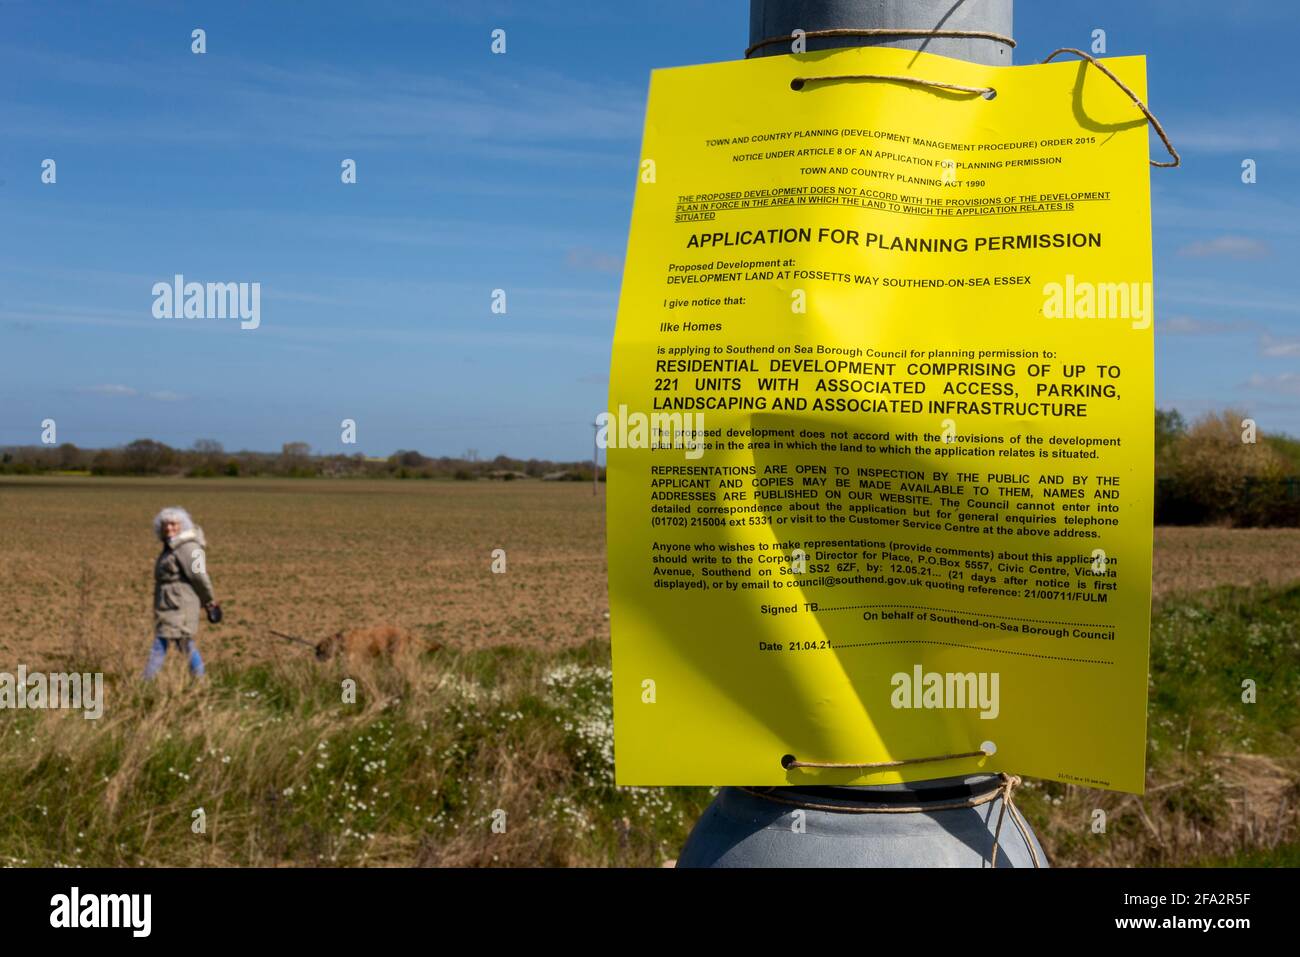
(1223, 775)
(419, 768)
(1284, 855)
(415, 772)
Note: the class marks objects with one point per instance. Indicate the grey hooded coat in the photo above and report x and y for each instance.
(181, 585)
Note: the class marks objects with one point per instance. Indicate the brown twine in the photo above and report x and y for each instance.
(987, 92)
(1160, 130)
(796, 763)
(884, 32)
(1004, 790)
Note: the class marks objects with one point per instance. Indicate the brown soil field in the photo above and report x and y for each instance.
(303, 556)
(1191, 559)
(312, 557)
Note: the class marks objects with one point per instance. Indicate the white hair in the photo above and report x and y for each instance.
(173, 513)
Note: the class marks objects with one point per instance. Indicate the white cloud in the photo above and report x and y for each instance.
(498, 337)
(117, 390)
(580, 257)
(110, 389)
(1187, 326)
(1279, 348)
(526, 115)
(1243, 138)
(1284, 382)
(1231, 247)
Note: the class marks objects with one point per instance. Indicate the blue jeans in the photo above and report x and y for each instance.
(160, 651)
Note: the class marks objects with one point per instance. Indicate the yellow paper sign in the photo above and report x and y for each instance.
(880, 425)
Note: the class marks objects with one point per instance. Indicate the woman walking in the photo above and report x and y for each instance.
(181, 588)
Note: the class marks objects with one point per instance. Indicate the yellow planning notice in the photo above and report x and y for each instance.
(880, 426)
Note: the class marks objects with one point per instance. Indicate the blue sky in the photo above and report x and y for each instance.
(478, 172)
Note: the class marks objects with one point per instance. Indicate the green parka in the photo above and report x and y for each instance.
(181, 585)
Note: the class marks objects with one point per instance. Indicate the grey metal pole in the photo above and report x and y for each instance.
(773, 18)
(778, 18)
(741, 828)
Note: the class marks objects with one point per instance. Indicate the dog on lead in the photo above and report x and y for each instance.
(377, 641)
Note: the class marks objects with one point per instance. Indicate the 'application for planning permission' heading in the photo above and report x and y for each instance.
(880, 425)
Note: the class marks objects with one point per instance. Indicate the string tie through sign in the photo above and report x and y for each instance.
(885, 32)
(1151, 118)
(790, 761)
(987, 92)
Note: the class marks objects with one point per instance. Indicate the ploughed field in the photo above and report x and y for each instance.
(312, 557)
(304, 556)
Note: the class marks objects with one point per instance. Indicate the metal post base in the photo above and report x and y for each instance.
(854, 827)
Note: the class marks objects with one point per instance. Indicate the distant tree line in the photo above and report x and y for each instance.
(1217, 470)
(207, 459)
(1220, 470)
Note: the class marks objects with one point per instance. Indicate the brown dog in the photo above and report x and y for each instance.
(377, 641)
